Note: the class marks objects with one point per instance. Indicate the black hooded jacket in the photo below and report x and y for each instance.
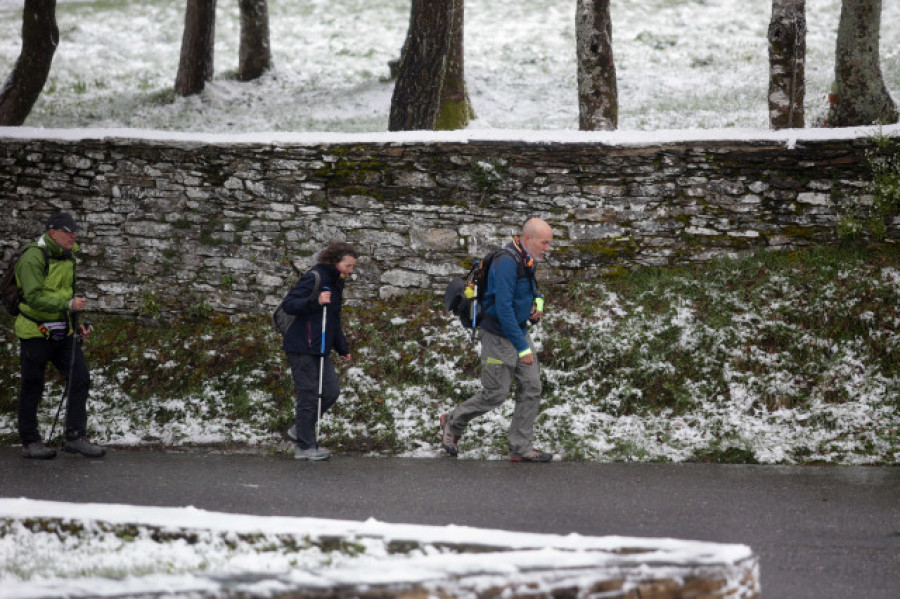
(305, 334)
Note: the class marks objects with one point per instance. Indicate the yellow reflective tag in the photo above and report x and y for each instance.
(493, 361)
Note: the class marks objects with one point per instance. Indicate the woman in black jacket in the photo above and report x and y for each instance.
(317, 296)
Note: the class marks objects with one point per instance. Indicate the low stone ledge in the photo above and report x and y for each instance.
(374, 560)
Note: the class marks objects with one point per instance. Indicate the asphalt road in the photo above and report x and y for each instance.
(820, 532)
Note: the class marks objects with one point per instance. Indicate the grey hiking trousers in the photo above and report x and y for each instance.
(499, 365)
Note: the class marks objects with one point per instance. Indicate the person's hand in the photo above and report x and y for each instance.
(527, 359)
(346, 358)
(536, 315)
(77, 304)
(85, 331)
(324, 298)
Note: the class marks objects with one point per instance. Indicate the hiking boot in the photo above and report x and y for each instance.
(38, 451)
(532, 456)
(449, 441)
(84, 447)
(312, 454)
(292, 433)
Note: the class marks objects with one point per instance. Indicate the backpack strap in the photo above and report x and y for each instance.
(47, 261)
(316, 285)
(520, 264)
(74, 273)
(521, 271)
(520, 268)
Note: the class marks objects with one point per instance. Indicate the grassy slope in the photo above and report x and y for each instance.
(775, 358)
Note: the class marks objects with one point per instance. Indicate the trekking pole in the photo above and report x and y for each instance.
(474, 311)
(471, 293)
(68, 388)
(321, 368)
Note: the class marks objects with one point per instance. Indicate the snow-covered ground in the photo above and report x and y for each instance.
(681, 64)
(800, 367)
(96, 550)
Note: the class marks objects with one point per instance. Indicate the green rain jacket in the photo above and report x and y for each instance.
(44, 298)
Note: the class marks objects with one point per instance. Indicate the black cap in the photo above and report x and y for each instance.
(62, 221)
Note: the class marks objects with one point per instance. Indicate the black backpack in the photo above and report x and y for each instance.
(10, 294)
(281, 320)
(464, 296)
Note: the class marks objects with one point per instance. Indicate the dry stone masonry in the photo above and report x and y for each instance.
(199, 224)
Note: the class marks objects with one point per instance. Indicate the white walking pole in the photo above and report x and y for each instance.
(321, 371)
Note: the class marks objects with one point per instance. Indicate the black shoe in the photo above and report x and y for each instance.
(84, 447)
(533, 456)
(38, 451)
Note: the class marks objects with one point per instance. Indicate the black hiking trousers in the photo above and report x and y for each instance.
(305, 372)
(34, 354)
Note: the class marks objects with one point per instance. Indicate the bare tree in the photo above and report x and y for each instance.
(40, 37)
(598, 98)
(195, 67)
(255, 55)
(787, 64)
(416, 101)
(859, 96)
(456, 108)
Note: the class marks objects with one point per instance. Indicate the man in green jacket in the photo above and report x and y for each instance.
(45, 274)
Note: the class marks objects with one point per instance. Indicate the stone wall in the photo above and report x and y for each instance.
(193, 224)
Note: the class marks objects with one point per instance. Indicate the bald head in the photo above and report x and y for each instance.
(537, 237)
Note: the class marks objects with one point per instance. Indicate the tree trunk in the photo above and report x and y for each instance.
(255, 55)
(598, 98)
(787, 64)
(394, 63)
(195, 67)
(859, 96)
(420, 80)
(22, 88)
(456, 108)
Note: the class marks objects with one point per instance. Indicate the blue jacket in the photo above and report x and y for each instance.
(305, 334)
(509, 298)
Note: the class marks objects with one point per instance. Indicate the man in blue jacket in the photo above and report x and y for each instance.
(319, 290)
(511, 301)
